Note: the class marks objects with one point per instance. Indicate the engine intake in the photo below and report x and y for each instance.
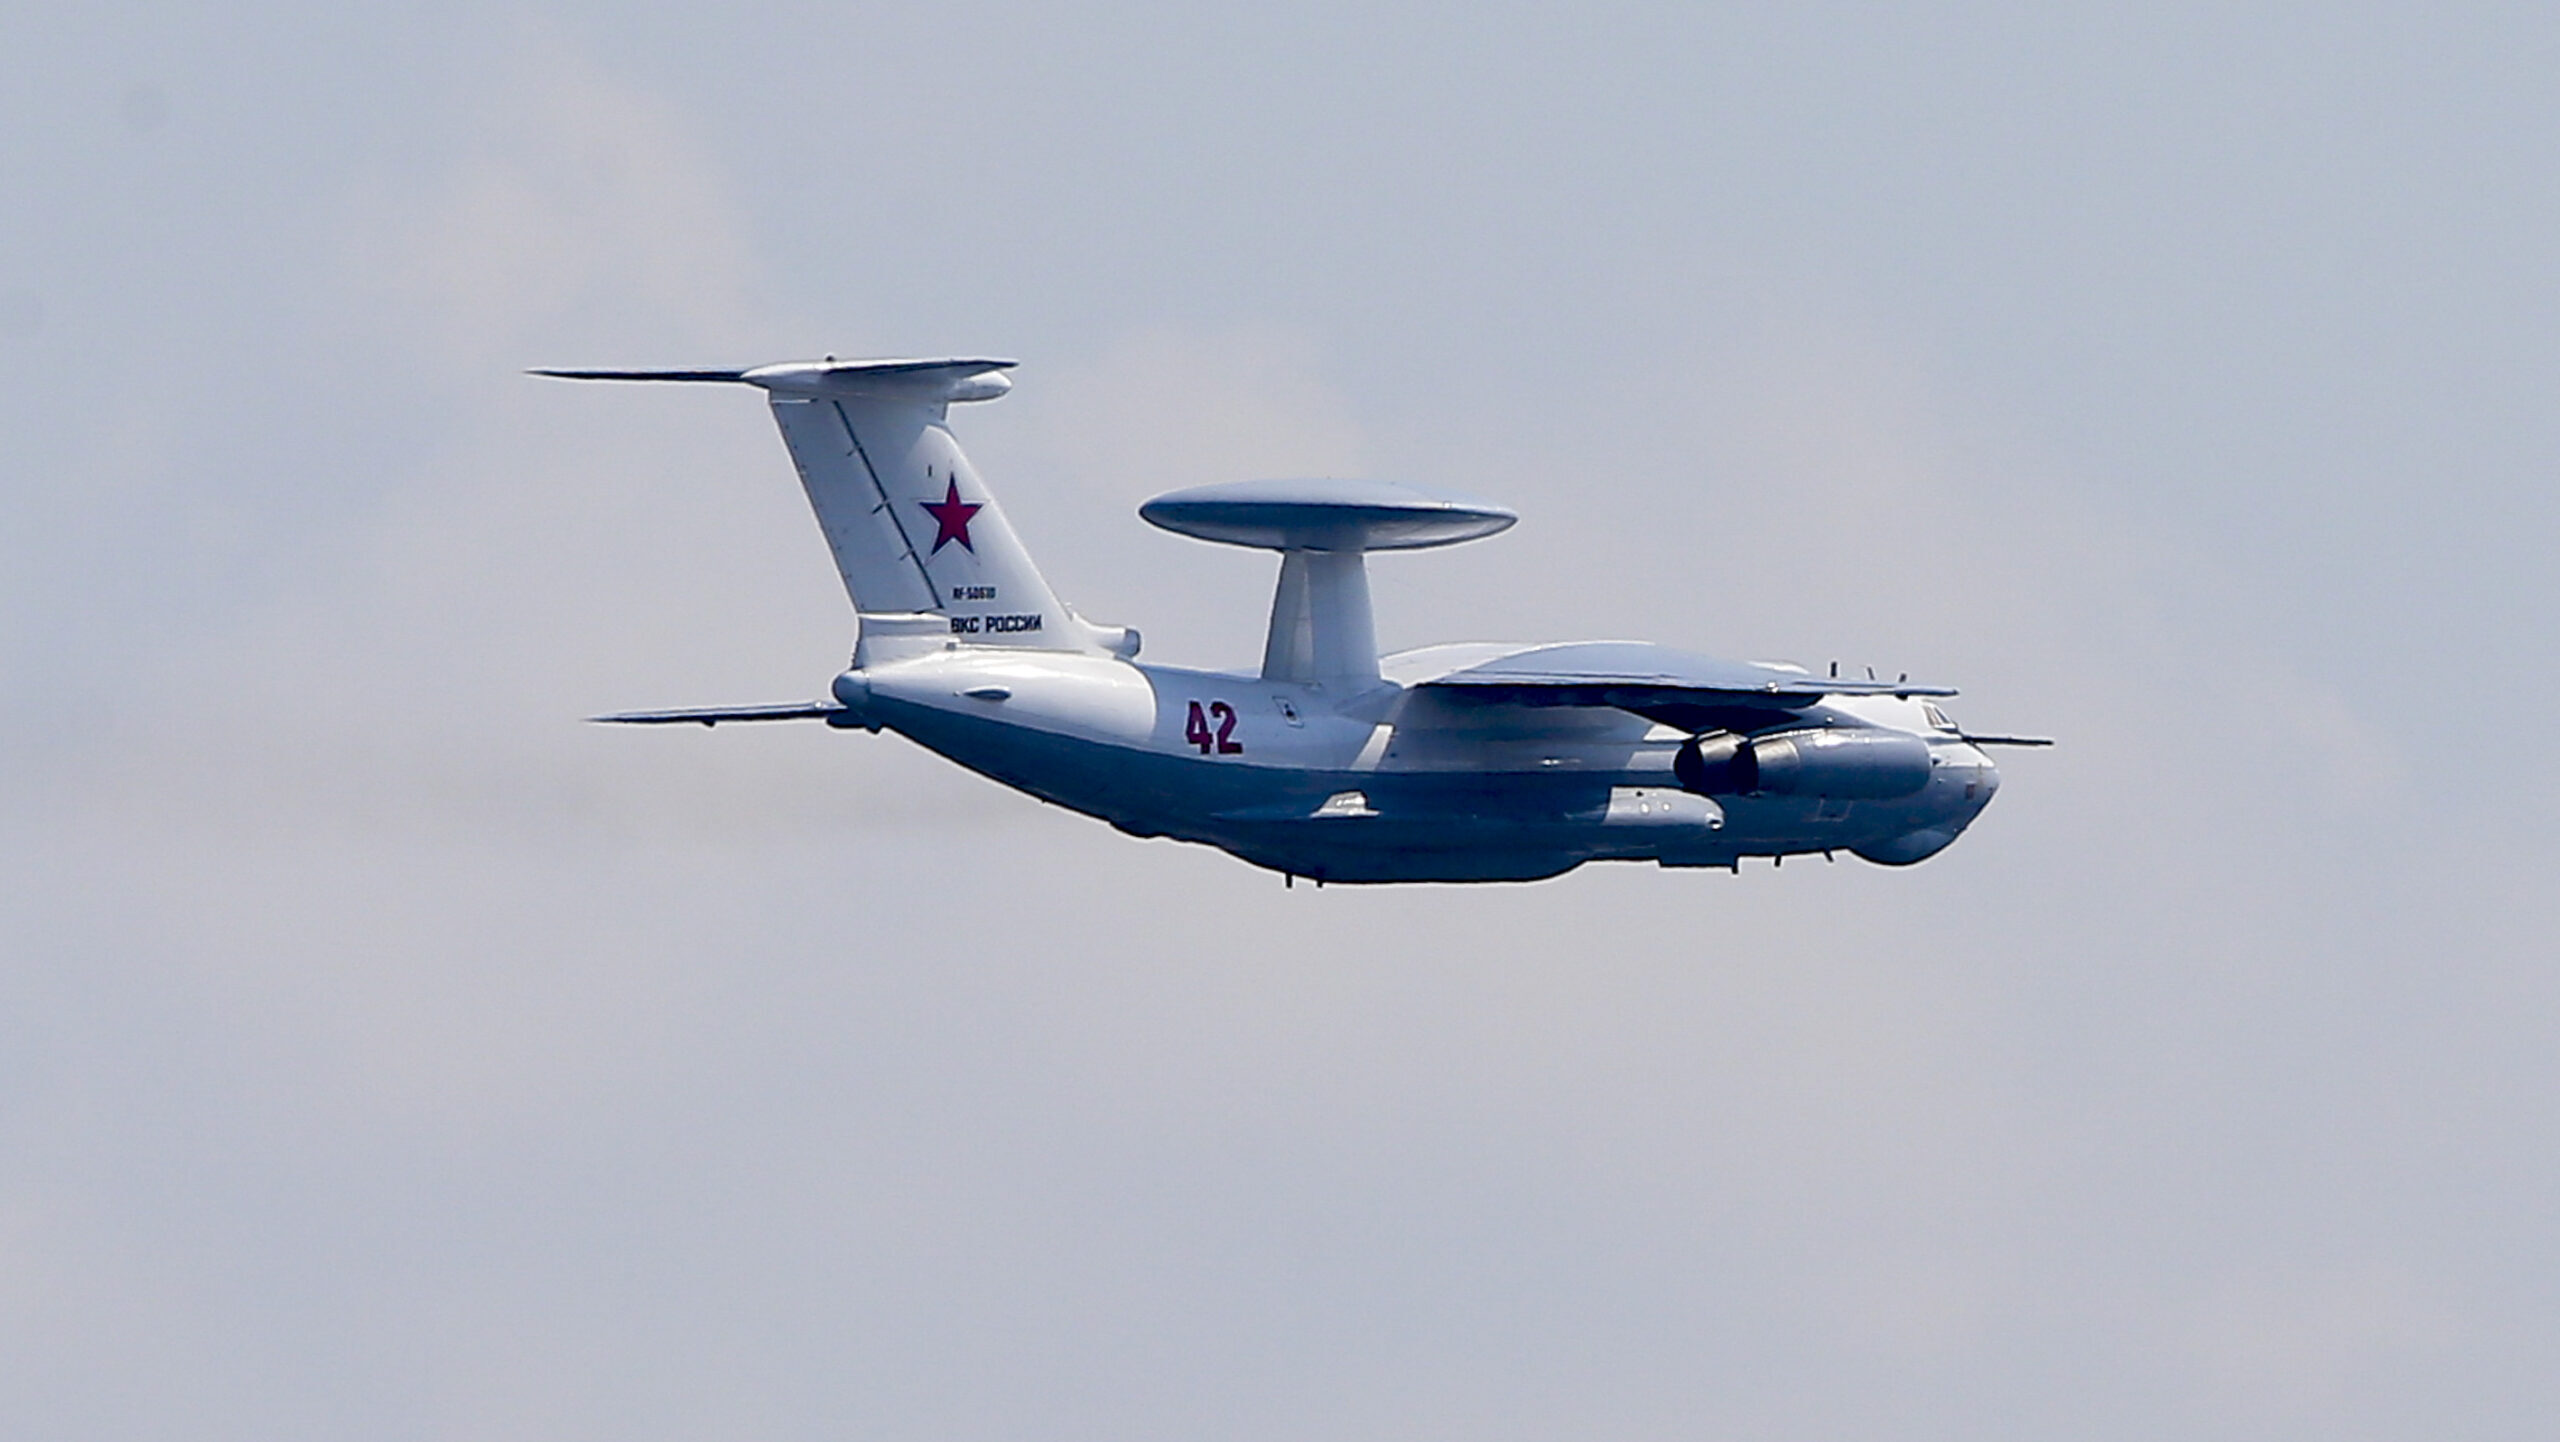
(1844, 763)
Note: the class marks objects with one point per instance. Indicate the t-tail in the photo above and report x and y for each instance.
(926, 553)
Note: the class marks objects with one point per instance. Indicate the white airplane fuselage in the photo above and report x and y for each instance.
(1389, 782)
(1470, 762)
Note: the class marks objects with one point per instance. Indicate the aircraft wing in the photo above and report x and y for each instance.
(713, 716)
(1676, 688)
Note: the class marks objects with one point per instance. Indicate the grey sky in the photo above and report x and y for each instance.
(384, 1054)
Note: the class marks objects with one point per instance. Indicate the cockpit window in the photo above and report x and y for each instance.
(1936, 717)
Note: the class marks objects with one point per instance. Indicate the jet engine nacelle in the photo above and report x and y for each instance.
(1847, 764)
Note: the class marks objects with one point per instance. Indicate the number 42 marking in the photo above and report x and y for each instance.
(1222, 740)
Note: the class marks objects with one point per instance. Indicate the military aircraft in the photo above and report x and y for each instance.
(1469, 762)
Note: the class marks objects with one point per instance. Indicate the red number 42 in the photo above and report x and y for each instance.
(1221, 740)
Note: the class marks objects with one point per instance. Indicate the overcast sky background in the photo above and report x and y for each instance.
(385, 1054)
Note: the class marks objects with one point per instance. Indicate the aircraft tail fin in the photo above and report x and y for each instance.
(914, 530)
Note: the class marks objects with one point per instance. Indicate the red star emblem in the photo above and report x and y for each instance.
(951, 519)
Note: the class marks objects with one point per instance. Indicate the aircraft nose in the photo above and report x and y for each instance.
(1969, 777)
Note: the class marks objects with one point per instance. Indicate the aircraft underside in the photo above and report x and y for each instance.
(1445, 824)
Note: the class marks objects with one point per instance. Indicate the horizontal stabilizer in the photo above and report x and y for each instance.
(713, 716)
(931, 382)
(641, 375)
